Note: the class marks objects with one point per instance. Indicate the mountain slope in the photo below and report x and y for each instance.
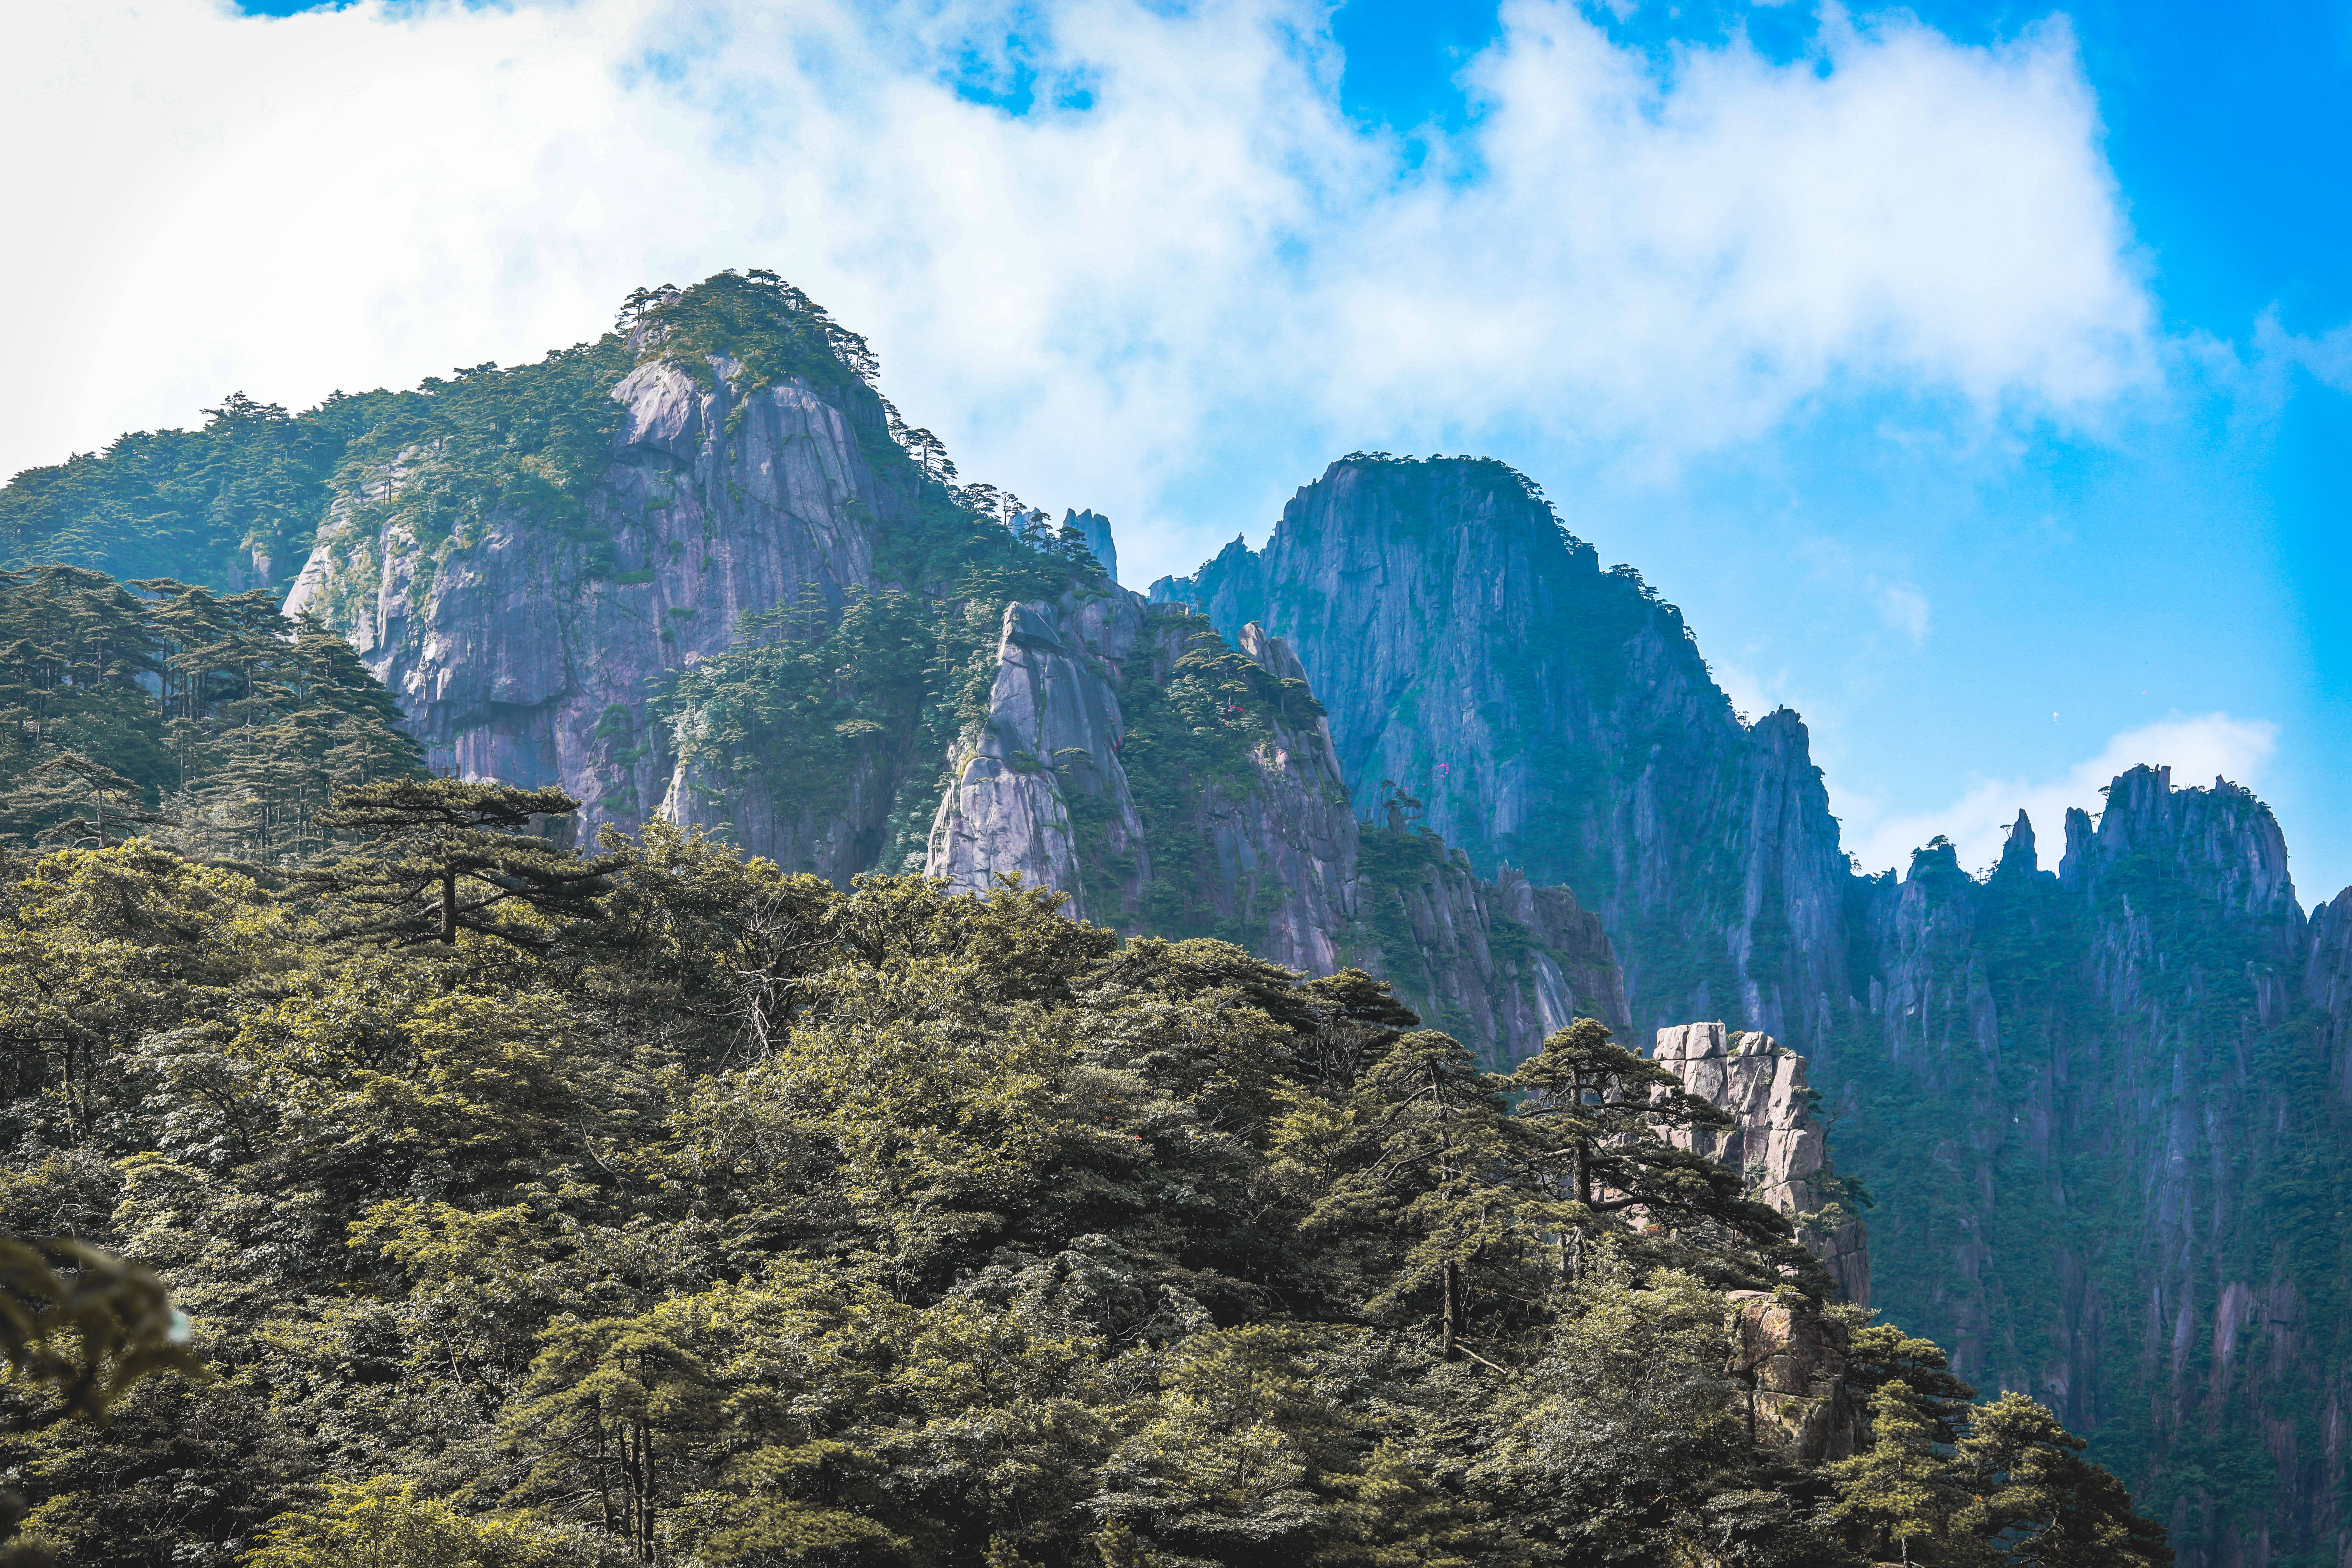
(1176, 784)
(1559, 718)
(756, 603)
(2103, 1110)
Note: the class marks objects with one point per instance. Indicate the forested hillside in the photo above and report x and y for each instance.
(660, 1206)
(157, 708)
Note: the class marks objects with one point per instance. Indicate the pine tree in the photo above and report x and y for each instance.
(449, 857)
(71, 799)
(1601, 1109)
(1431, 1147)
(2040, 1501)
(1899, 1492)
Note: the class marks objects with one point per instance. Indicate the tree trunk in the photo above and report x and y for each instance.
(646, 1491)
(449, 906)
(603, 1474)
(1449, 1280)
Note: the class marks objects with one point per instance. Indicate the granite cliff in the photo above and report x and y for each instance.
(2099, 1108)
(765, 610)
(1175, 784)
(2103, 1110)
(1558, 717)
(532, 651)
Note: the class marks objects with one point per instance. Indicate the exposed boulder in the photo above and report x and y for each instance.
(1776, 1140)
(1789, 1360)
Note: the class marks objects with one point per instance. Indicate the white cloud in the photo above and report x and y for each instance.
(1905, 608)
(2197, 750)
(1210, 270)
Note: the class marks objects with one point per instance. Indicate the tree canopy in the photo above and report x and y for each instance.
(209, 722)
(678, 1209)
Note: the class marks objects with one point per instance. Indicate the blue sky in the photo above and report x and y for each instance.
(2200, 562)
(1978, 378)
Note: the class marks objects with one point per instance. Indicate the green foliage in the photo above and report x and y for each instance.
(215, 724)
(445, 856)
(441, 464)
(79, 1327)
(1196, 726)
(1947, 1482)
(797, 706)
(771, 331)
(383, 1524)
(740, 1218)
(1607, 1453)
(231, 505)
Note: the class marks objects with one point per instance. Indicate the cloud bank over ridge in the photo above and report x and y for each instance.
(1107, 256)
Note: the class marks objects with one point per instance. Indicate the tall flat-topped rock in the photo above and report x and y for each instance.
(1775, 1139)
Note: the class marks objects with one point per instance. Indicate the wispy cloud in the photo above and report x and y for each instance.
(1905, 608)
(1181, 259)
(2197, 750)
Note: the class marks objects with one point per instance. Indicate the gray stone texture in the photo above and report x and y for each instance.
(1775, 1139)
(1284, 851)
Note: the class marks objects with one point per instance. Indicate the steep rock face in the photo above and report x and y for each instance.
(1217, 809)
(1499, 964)
(2095, 1106)
(1054, 733)
(1095, 529)
(2097, 1110)
(1776, 1138)
(526, 654)
(1788, 1362)
(1559, 716)
(2328, 989)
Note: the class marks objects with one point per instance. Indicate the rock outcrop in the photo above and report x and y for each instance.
(1216, 807)
(528, 652)
(1776, 1140)
(1052, 737)
(1788, 1362)
(1095, 529)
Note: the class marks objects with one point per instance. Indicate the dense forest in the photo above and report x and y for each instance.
(528, 1206)
(208, 723)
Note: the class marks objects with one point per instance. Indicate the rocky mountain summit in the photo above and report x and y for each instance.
(1558, 717)
(773, 618)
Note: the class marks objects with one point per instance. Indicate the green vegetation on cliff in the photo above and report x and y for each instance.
(723, 1216)
(1199, 715)
(212, 723)
(2131, 969)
